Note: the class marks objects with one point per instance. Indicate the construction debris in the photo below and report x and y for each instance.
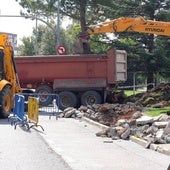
(129, 119)
(124, 120)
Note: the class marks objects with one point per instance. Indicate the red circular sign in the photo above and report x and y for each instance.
(61, 50)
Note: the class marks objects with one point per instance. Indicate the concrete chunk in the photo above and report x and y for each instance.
(167, 129)
(126, 134)
(160, 124)
(69, 113)
(144, 120)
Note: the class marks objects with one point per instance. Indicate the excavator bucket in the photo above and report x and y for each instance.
(82, 45)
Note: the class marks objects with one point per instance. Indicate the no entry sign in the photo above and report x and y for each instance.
(61, 49)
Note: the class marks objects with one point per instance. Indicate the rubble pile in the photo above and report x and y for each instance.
(106, 114)
(109, 114)
(153, 130)
(124, 120)
(128, 119)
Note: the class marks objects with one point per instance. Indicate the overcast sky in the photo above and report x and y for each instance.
(15, 25)
(20, 26)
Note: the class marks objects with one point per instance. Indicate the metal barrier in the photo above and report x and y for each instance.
(33, 106)
(48, 103)
(19, 117)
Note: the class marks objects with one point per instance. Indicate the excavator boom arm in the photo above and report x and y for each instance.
(131, 25)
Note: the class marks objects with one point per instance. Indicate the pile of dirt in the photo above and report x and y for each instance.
(156, 97)
(109, 114)
(106, 114)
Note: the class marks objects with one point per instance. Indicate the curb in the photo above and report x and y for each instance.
(161, 148)
(92, 122)
(138, 141)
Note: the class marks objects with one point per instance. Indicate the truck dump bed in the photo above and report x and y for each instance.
(62, 71)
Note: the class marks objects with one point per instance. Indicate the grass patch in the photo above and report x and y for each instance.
(131, 92)
(157, 111)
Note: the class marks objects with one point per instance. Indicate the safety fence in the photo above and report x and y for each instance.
(19, 117)
(48, 103)
(33, 106)
(28, 107)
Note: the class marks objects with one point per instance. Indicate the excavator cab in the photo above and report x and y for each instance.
(9, 83)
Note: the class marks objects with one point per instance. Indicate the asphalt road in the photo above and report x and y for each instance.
(21, 150)
(71, 143)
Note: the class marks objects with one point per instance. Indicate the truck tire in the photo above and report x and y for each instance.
(67, 99)
(91, 97)
(5, 102)
(44, 95)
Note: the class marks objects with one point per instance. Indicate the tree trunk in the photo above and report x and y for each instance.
(83, 15)
(84, 37)
(150, 80)
(150, 75)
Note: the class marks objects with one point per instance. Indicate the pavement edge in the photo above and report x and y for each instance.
(162, 148)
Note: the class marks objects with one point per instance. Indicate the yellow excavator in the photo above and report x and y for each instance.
(124, 24)
(9, 83)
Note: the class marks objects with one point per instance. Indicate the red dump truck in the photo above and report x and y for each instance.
(78, 79)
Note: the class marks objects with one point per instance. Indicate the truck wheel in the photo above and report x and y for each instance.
(91, 97)
(5, 102)
(67, 99)
(44, 95)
